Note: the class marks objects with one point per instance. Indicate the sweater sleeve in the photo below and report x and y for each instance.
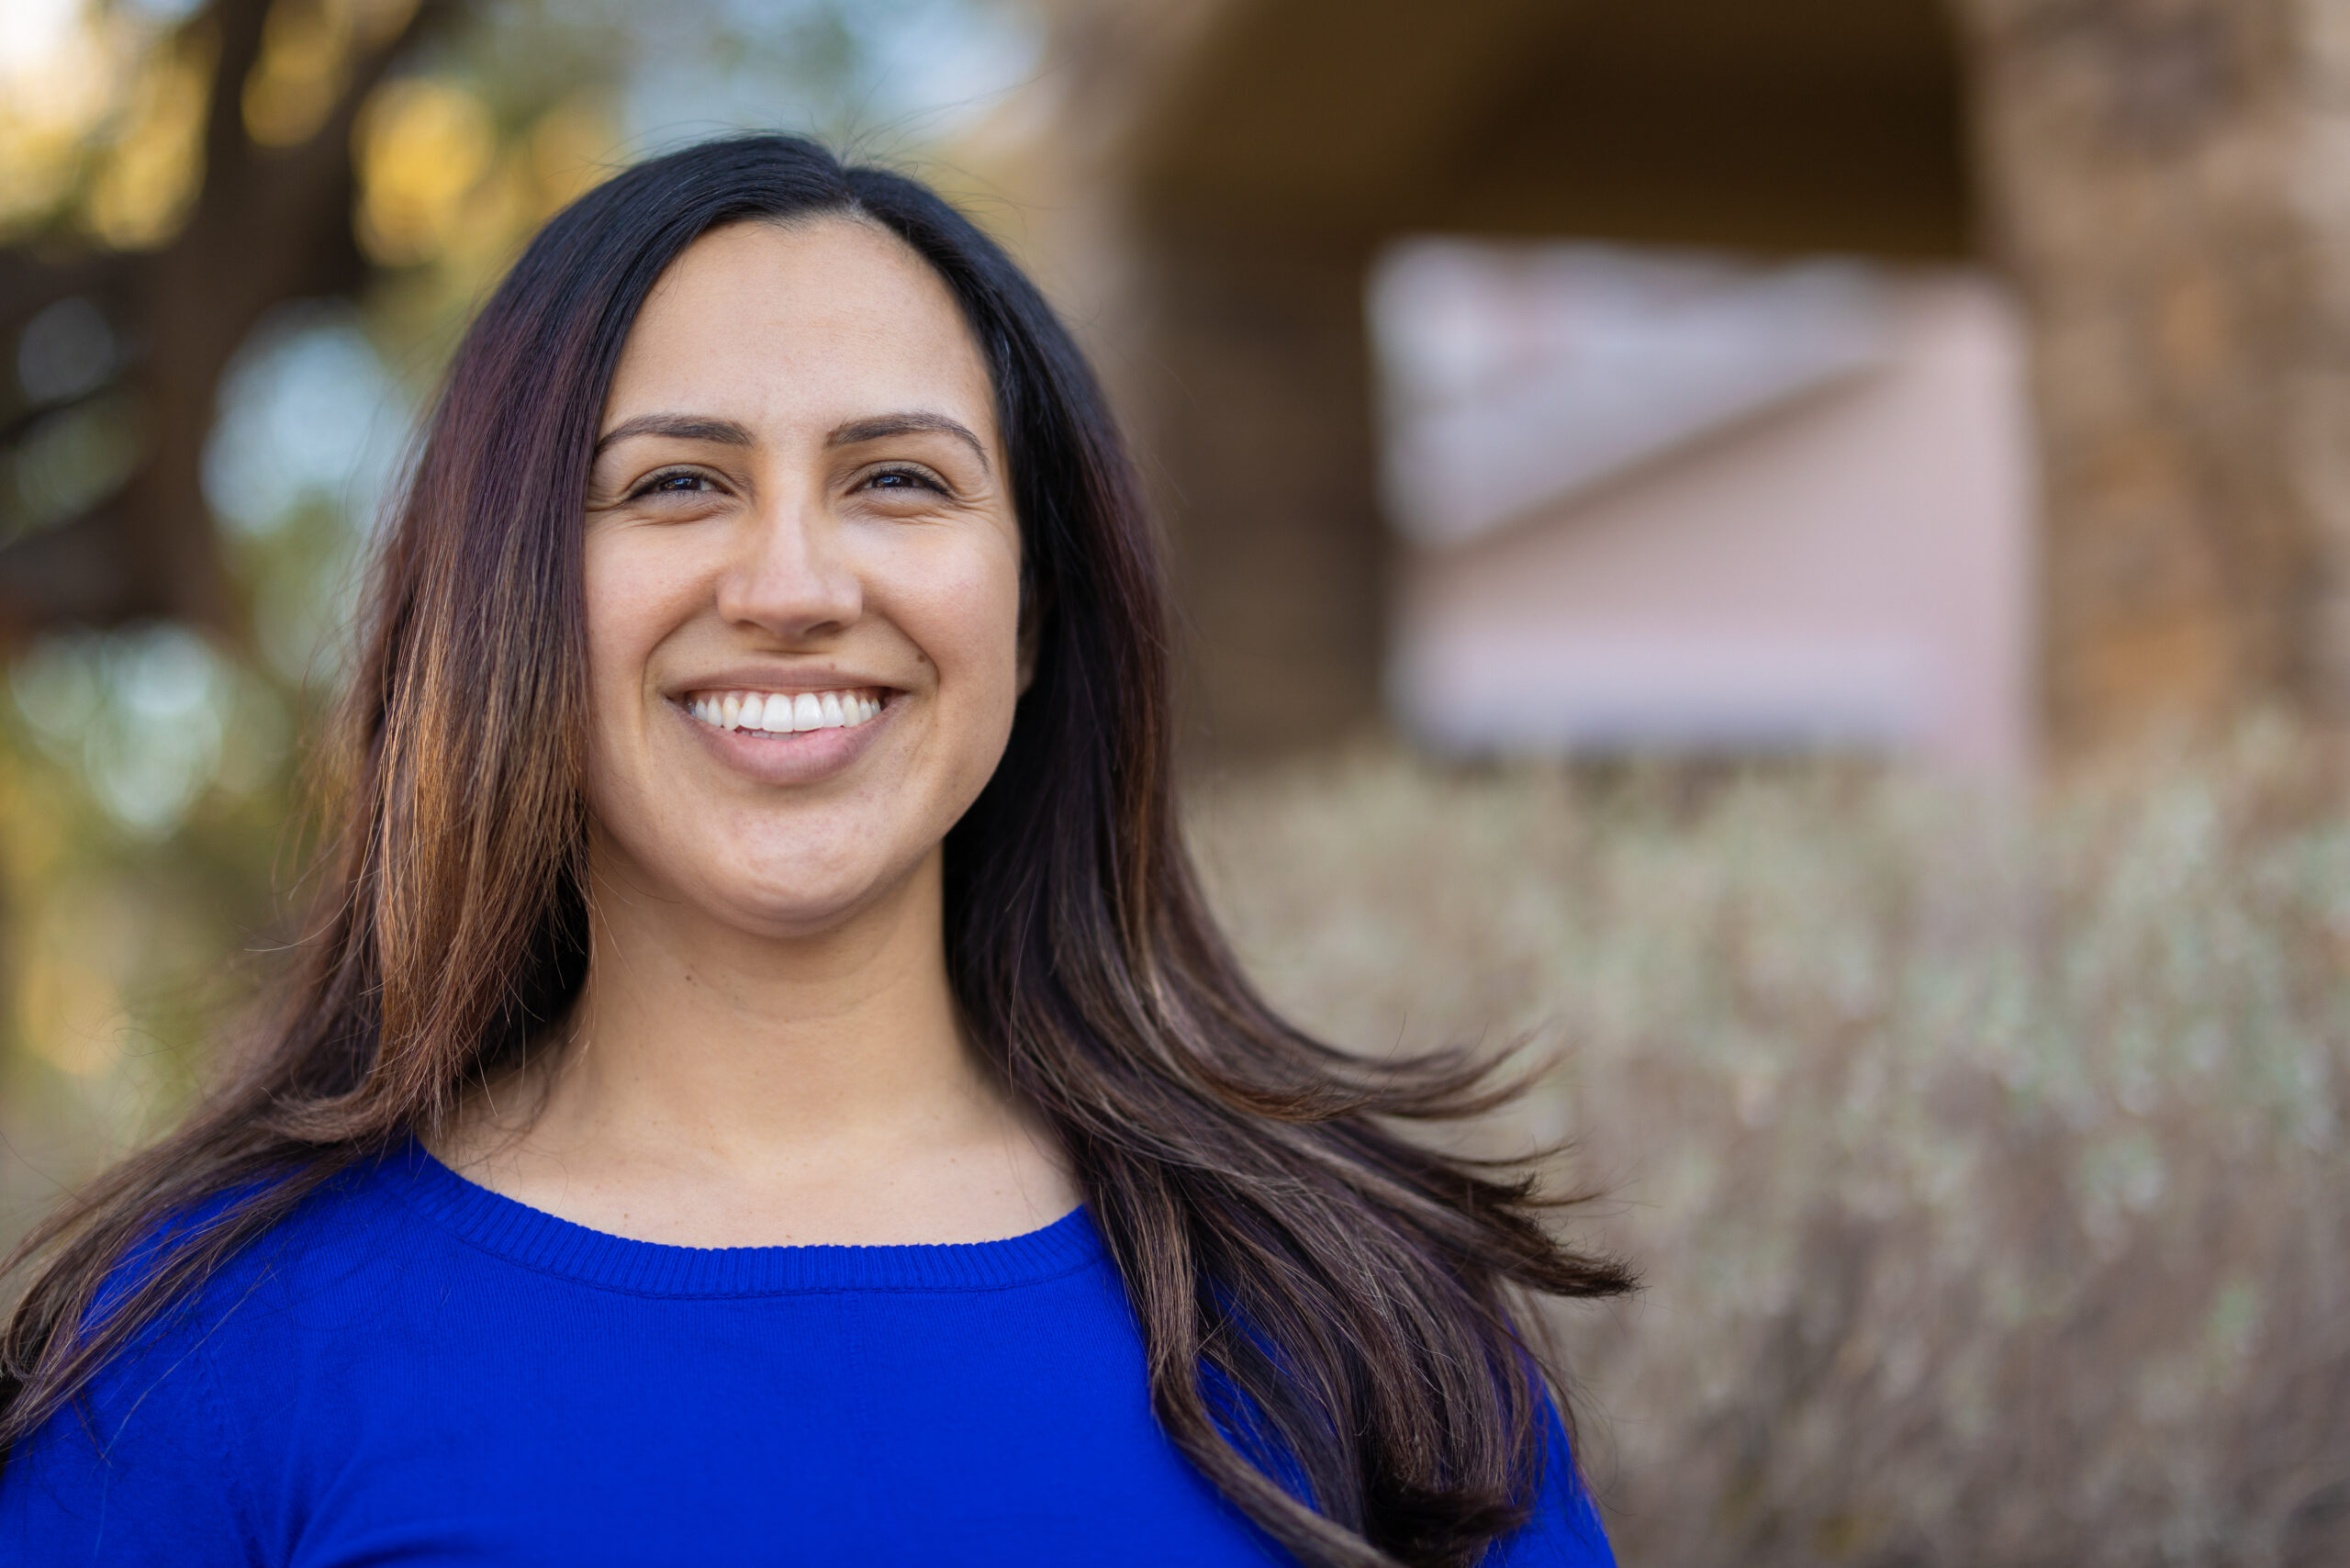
(138, 1471)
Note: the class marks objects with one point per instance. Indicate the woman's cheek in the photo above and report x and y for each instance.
(639, 587)
(962, 610)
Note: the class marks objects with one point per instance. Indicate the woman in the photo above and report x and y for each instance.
(765, 1086)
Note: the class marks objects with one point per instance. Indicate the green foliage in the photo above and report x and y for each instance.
(144, 783)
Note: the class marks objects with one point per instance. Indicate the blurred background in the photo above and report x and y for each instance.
(1796, 556)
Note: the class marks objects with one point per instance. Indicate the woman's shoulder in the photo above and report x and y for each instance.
(147, 1456)
(241, 1322)
(345, 1229)
(336, 1242)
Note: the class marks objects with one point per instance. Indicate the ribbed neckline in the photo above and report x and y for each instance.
(539, 1240)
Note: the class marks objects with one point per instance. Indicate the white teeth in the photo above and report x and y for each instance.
(783, 713)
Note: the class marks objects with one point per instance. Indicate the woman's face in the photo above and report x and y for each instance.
(802, 579)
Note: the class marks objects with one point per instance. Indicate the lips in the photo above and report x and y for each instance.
(786, 737)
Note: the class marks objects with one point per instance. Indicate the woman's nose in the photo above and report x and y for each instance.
(791, 574)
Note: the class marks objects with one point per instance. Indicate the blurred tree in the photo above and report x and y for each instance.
(225, 188)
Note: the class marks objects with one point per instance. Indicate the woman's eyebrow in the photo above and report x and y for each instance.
(882, 425)
(680, 427)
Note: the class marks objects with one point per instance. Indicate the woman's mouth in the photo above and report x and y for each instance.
(786, 712)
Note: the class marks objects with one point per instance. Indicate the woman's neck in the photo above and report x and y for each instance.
(717, 1087)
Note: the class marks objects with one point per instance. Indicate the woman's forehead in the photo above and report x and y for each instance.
(815, 319)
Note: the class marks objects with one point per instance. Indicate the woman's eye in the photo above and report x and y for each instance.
(903, 479)
(680, 482)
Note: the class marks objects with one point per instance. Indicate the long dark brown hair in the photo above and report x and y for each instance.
(1318, 1296)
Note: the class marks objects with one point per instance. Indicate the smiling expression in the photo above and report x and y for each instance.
(803, 579)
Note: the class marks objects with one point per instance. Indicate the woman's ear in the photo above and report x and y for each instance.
(1033, 606)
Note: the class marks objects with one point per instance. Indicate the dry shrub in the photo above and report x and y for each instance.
(1985, 1162)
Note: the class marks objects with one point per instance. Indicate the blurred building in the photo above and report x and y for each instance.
(1994, 358)
(1661, 501)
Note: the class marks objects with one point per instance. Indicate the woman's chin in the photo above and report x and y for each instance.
(784, 903)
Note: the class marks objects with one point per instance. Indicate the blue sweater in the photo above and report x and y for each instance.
(412, 1369)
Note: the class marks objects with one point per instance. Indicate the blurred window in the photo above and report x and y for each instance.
(1685, 502)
